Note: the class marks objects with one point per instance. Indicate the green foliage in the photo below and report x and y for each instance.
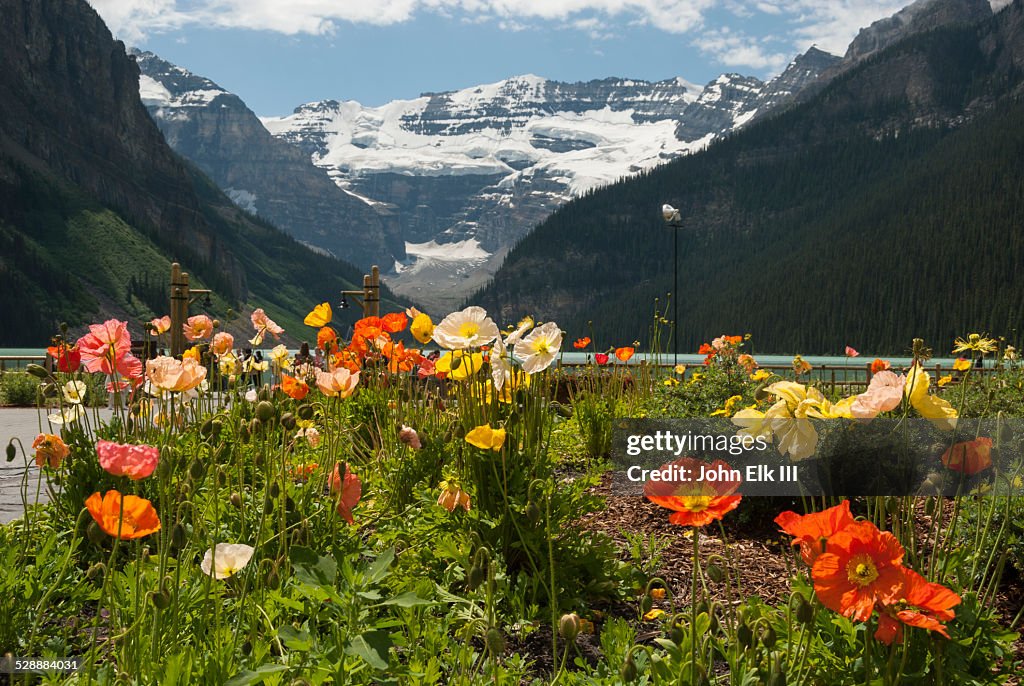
(19, 389)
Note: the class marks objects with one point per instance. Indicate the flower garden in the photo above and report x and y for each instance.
(391, 517)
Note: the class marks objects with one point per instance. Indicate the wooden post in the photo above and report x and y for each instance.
(371, 285)
(179, 308)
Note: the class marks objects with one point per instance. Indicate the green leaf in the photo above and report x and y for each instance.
(311, 568)
(371, 646)
(379, 568)
(250, 677)
(408, 599)
(295, 639)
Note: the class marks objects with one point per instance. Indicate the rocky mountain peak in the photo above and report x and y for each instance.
(918, 17)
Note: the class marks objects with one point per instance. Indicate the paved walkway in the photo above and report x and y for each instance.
(23, 424)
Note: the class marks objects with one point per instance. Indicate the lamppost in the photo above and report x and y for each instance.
(675, 222)
(369, 297)
(182, 295)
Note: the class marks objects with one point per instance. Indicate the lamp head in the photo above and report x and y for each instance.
(670, 214)
(207, 302)
(344, 302)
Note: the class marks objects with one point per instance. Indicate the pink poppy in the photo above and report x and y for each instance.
(105, 347)
(348, 489)
(134, 461)
(885, 393)
(850, 352)
(223, 342)
(161, 325)
(263, 325)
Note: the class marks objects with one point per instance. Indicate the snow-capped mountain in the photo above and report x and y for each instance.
(435, 189)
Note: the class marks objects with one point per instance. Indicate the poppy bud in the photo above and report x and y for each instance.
(95, 533)
(745, 636)
(715, 573)
(804, 611)
(160, 601)
(37, 371)
(96, 570)
(768, 638)
(677, 634)
(532, 512)
(215, 427)
(178, 536)
(265, 411)
(196, 470)
(305, 412)
(645, 604)
(244, 433)
(264, 393)
(12, 452)
(475, 577)
(236, 500)
(569, 626)
(207, 428)
(628, 670)
(495, 641)
(288, 420)
(222, 477)
(275, 490)
(289, 504)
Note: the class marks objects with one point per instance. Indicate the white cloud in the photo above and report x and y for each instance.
(741, 50)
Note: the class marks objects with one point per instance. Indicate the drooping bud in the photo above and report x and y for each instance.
(569, 626)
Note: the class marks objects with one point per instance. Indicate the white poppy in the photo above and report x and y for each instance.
(466, 329)
(69, 415)
(230, 558)
(74, 392)
(539, 348)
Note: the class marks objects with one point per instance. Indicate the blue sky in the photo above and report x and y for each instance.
(278, 54)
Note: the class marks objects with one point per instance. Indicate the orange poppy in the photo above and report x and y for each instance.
(349, 490)
(861, 567)
(394, 322)
(969, 457)
(810, 531)
(922, 603)
(325, 337)
(68, 357)
(294, 388)
(140, 519)
(624, 353)
(400, 359)
(581, 343)
(695, 503)
(370, 327)
(880, 366)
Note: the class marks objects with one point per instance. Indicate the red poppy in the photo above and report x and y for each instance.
(69, 359)
(695, 503)
(601, 358)
(880, 366)
(624, 353)
(581, 343)
(349, 490)
(922, 604)
(861, 567)
(969, 457)
(294, 388)
(705, 349)
(810, 531)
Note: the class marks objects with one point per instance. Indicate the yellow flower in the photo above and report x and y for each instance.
(679, 369)
(319, 317)
(422, 328)
(694, 378)
(671, 382)
(935, 409)
(962, 364)
(279, 356)
(486, 438)
(460, 365)
(976, 343)
(944, 380)
(653, 614)
(658, 593)
(193, 353)
(760, 375)
(730, 404)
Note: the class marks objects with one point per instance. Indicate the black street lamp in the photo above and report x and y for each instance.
(675, 222)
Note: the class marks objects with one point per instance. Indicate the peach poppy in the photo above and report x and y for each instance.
(349, 490)
(922, 603)
(294, 388)
(880, 366)
(68, 357)
(862, 566)
(223, 343)
(169, 374)
(581, 343)
(139, 517)
(624, 353)
(851, 352)
(198, 327)
(263, 325)
(134, 461)
(969, 457)
(50, 450)
(694, 503)
(338, 383)
(160, 325)
(811, 531)
(453, 496)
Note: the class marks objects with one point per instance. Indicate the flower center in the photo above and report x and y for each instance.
(696, 503)
(861, 570)
(541, 347)
(469, 329)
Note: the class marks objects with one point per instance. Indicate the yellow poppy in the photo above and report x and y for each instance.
(320, 316)
(486, 438)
